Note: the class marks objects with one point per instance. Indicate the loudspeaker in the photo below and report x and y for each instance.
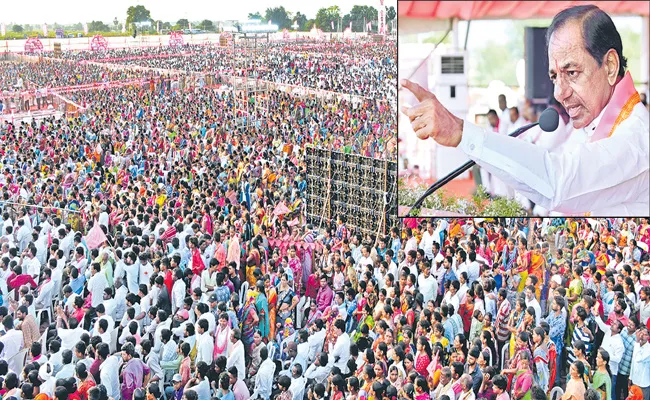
(538, 84)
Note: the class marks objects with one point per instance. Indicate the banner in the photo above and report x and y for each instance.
(3, 29)
(350, 25)
(190, 26)
(45, 30)
(332, 23)
(85, 25)
(158, 27)
(381, 15)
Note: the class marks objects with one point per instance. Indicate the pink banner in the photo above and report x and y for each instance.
(110, 60)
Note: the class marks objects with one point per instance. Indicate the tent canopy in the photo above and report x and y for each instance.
(471, 10)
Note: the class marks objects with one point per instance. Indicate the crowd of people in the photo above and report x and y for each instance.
(361, 69)
(155, 244)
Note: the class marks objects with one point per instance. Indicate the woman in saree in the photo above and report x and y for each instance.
(253, 262)
(541, 358)
(574, 295)
(515, 324)
(296, 267)
(249, 321)
(262, 309)
(523, 263)
(523, 380)
(206, 221)
(538, 268)
(272, 299)
(644, 231)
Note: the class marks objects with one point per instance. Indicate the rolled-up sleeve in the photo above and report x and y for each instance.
(593, 176)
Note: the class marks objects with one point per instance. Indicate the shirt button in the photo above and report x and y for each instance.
(471, 147)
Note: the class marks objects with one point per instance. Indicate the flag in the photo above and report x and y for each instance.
(332, 23)
(3, 29)
(45, 30)
(158, 27)
(350, 25)
(190, 25)
(369, 26)
(85, 25)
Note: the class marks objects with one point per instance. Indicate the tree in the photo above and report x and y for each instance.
(17, 29)
(310, 24)
(166, 25)
(391, 13)
(137, 14)
(207, 25)
(98, 26)
(256, 15)
(325, 17)
(183, 23)
(359, 16)
(301, 20)
(278, 16)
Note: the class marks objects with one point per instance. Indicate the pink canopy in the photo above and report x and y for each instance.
(469, 10)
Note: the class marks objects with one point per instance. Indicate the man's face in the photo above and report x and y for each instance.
(581, 86)
(514, 115)
(323, 283)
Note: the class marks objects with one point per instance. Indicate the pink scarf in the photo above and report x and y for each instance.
(620, 105)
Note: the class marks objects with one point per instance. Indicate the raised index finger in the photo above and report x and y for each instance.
(418, 91)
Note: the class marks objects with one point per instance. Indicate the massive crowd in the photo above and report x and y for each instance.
(362, 69)
(137, 234)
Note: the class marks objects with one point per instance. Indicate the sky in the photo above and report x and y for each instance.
(74, 11)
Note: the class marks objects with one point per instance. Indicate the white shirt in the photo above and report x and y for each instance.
(96, 286)
(318, 373)
(236, 358)
(615, 347)
(44, 299)
(606, 177)
(132, 276)
(13, 343)
(202, 390)
(340, 350)
(70, 337)
(640, 369)
(473, 271)
(411, 244)
(109, 376)
(264, 380)
(32, 267)
(178, 295)
(204, 348)
(538, 309)
(426, 244)
(428, 287)
(315, 341)
(644, 307)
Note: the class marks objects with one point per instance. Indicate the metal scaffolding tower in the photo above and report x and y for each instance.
(251, 93)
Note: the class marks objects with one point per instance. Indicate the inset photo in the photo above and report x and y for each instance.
(523, 109)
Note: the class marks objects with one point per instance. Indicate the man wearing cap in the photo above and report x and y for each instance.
(176, 390)
(46, 375)
(181, 319)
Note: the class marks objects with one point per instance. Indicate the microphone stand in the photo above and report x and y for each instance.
(453, 174)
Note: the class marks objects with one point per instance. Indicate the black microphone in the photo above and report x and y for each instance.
(548, 121)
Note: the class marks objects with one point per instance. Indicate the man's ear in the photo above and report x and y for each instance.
(611, 66)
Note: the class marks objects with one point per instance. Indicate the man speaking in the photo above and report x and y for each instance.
(607, 175)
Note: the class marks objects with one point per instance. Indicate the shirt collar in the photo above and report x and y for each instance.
(591, 128)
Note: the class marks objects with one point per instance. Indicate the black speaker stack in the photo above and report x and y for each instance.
(538, 84)
(362, 189)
